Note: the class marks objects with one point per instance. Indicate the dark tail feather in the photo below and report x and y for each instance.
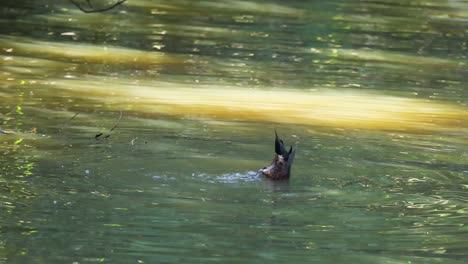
(291, 155)
(279, 145)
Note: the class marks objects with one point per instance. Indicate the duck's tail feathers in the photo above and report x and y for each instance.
(279, 145)
(291, 155)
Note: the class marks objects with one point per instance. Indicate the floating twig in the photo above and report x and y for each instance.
(118, 121)
(68, 122)
(97, 136)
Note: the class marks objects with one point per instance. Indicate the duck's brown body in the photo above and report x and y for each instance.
(280, 167)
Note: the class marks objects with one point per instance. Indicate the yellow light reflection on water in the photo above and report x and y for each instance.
(336, 108)
(83, 52)
(328, 107)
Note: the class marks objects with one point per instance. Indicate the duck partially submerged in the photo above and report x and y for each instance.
(280, 167)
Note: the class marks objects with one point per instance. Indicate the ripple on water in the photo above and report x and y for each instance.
(227, 178)
(236, 177)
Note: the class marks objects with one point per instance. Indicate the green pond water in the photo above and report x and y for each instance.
(187, 95)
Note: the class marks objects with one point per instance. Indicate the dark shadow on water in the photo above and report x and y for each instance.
(281, 186)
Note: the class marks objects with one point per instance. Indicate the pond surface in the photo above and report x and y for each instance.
(134, 136)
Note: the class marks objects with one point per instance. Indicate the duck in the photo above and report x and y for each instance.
(280, 167)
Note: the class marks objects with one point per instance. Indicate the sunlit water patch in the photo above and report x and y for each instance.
(134, 136)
